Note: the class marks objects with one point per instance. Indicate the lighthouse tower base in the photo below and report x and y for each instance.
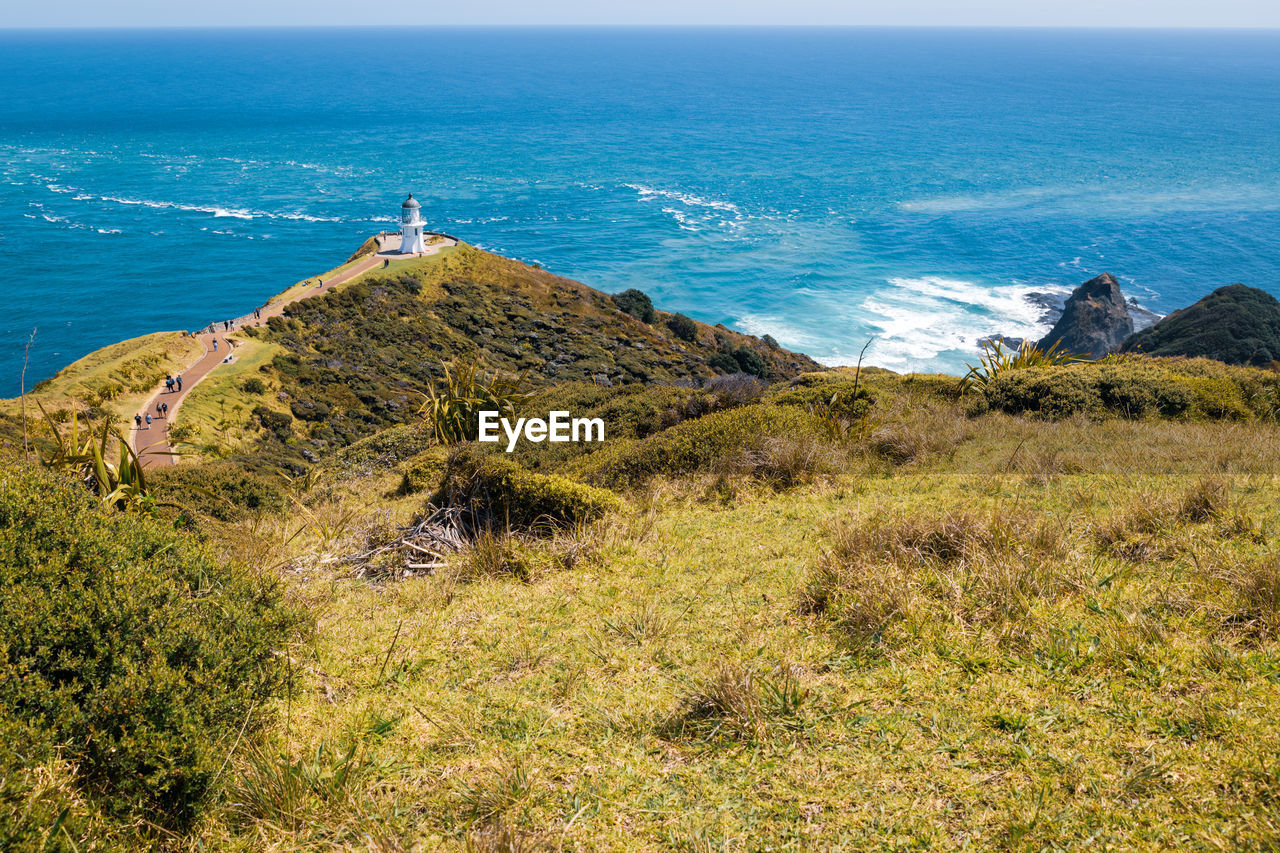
(411, 242)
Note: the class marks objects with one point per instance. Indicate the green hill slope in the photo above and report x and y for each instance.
(1236, 324)
(358, 359)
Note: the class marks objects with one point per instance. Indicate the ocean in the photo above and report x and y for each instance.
(828, 187)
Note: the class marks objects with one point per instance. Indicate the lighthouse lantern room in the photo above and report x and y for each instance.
(411, 227)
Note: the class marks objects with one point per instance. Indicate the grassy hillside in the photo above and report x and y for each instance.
(822, 617)
(360, 358)
(802, 610)
(938, 631)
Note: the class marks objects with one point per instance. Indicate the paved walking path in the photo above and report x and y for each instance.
(152, 443)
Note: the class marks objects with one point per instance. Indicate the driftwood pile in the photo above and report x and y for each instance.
(420, 548)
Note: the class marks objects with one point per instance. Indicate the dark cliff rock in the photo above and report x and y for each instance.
(1095, 320)
(1236, 324)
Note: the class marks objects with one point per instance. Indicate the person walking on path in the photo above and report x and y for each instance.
(168, 384)
(215, 344)
(137, 421)
(158, 408)
(179, 380)
(148, 420)
(165, 407)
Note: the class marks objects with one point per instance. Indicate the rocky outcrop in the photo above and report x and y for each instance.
(1095, 320)
(1236, 324)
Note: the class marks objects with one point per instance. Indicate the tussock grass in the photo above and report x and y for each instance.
(962, 568)
(910, 429)
(741, 704)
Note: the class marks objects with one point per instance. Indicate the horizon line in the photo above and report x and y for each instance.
(643, 26)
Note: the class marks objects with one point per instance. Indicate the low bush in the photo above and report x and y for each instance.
(223, 490)
(636, 303)
(383, 450)
(1136, 387)
(128, 650)
(279, 423)
(696, 445)
(423, 471)
(723, 362)
(683, 327)
(253, 385)
(750, 361)
(500, 493)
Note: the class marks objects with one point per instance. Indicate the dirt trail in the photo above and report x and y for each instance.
(152, 443)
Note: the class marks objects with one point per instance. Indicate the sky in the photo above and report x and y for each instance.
(1017, 13)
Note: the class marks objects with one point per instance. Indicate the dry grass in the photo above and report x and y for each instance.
(907, 429)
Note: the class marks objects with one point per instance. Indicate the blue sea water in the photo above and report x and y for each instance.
(822, 186)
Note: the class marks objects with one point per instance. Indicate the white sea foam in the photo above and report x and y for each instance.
(217, 211)
(916, 320)
(682, 219)
(647, 193)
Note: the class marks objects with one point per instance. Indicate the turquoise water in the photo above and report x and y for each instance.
(820, 186)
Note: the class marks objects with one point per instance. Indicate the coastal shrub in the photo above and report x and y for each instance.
(750, 361)
(683, 327)
(128, 650)
(309, 410)
(422, 472)
(499, 492)
(1048, 392)
(723, 362)
(253, 385)
(696, 445)
(277, 422)
(1135, 387)
(736, 389)
(223, 489)
(636, 303)
(1218, 398)
(383, 450)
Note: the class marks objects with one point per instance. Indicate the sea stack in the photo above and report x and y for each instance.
(1095, 321)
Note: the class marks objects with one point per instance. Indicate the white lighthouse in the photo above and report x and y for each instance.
(411, 227)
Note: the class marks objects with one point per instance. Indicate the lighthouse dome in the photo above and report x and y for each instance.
(410, 202)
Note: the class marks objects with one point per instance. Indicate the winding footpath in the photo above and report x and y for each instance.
(151, 443)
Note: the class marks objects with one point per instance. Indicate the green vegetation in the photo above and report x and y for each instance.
(683, 327)
(498, 493)
(946, 615)
(358, 359)
(997, 360)
(454, 405)
(778, 608)
(121, 484)
(636, 303)
(1139, 387)
(131, 662)
(215, 418)
(1234, 324)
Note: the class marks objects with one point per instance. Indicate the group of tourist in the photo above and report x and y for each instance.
(172, 384)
